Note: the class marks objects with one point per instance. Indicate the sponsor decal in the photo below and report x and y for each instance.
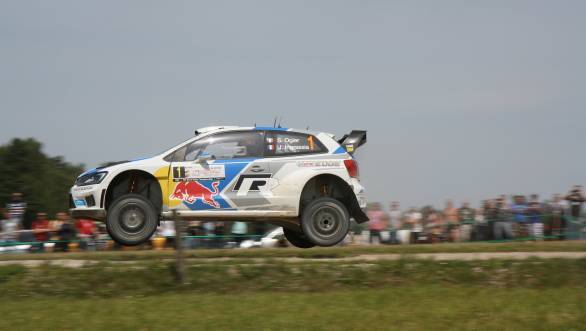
(83, 188)
(262, 183)
(198, 172)
(288, 140)
(319, 164)
(350, 148)
(79, 202)
(293, 148)
(191, 191)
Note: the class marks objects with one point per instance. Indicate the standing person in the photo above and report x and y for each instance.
(480, 226)
(376, 223)
(219, 233)
(40, 227)
(490, 217)
(575, 200)
(239, 231)
(395, 215)
(8, 227)
(519, 213)
(434, 226)
(66, 234)
(86, 231)
(208, 229)
(167, 231)
(55, 225)
(557, 224)
(450, 216)
(16, 208)
(534, 217)
(503, 227)
(415, 221)
(195, 232)
(466, 221)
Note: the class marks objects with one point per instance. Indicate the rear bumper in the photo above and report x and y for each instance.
(95, 214)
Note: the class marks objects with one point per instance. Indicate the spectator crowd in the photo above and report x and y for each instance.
(62, 234)
(517, 217)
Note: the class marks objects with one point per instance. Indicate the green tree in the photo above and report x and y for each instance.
(44, 181)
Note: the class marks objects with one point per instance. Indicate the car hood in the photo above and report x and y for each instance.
(110, 166)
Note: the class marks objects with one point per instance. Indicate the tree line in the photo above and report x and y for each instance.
(43, 180)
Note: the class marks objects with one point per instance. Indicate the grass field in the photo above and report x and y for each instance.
(404, 308)
(246, 293)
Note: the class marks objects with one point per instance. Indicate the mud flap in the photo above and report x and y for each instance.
(359, 216)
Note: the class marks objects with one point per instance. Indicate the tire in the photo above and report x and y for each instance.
(325, 222)
(131, 220)
(297, 239)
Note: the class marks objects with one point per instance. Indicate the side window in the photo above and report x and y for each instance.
(292, 143)
(226, 146)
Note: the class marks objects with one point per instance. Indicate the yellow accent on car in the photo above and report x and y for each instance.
(162, 175)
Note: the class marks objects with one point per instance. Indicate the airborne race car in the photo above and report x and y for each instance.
(304, 181)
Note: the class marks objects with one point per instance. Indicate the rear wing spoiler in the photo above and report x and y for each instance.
(353, 140)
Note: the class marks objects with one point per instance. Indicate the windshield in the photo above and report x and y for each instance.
(177, 145)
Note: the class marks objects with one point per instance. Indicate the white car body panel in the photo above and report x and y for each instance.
(236, 194)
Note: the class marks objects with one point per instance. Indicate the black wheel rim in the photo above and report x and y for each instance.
(326, 221)
(132, 218)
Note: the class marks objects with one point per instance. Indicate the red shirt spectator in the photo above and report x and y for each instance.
(85, 227)
(40, 227)
(377, 218)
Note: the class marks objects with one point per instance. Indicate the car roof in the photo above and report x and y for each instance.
(209, 129)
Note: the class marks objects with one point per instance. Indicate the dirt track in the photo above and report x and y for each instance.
(365, 258)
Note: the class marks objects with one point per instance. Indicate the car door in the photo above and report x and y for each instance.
(205, 173)
(291, 155)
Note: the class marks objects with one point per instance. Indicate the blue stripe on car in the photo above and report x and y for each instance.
(340, 150)
(232, 169)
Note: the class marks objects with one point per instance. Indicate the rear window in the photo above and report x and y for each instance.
(283, 143)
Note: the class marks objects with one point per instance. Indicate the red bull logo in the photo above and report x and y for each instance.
(190, 191)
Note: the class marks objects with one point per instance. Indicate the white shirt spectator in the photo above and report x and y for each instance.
(395, 219)
(167, 229)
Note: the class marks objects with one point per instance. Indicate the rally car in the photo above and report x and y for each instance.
(306, 182)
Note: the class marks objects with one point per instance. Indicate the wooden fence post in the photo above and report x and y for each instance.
(179, 258)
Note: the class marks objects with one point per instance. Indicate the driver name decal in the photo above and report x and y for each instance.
(199, 172)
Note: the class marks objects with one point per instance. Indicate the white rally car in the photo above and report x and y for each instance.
(304, 181)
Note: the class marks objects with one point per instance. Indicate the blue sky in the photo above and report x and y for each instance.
(461, 99)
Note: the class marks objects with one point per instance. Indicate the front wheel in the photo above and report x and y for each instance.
(297, 239)
(325, 222)
(131, 220)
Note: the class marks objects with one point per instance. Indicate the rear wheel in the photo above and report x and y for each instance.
(131, 220)
(325, 222)
(297, 239)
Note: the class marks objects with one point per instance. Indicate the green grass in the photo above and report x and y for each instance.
(405, 308)
(333, 252)
(246, 293)
(108, 280)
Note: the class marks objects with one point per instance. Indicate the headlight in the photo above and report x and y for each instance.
(91, 179)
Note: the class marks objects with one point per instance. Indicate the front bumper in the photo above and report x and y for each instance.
(90, 196)
(87, 202)
(95, 214)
